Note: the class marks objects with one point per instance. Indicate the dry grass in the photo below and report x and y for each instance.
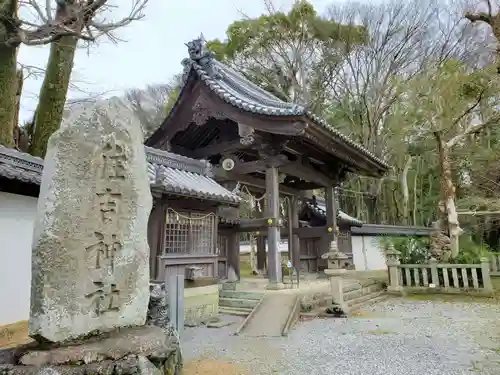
(471, 298)
(212, 367)
(14, 334)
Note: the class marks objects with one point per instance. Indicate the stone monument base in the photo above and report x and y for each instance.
(147, 350)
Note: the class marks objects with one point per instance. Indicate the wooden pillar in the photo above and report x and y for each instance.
(294, 239)
(233, 256)
(261, 243)
(156, 235)
(273, 231)
(331, 211)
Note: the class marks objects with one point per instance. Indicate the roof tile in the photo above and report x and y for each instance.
(320, 209)
(168, 172)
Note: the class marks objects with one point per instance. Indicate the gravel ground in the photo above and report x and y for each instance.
(393, 337)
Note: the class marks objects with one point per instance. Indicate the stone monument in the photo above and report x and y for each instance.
(90, 259)
(90, 268)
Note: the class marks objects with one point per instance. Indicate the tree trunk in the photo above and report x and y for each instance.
(405, 190)
(53, 92)
(449, 212)
(8, 59)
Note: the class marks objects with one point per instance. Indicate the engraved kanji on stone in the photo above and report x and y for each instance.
(105, 248)
(108, 204)
(114, 161)
(104, 297)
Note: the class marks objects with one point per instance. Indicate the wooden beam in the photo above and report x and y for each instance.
(257, 183)
(311, 232)
(302, 185)
(249, 167)
(218, 148)
(260, 165)
(306, 172)
(180, 116)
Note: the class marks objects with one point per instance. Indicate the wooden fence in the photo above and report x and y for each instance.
(436, 277)
(495, 264)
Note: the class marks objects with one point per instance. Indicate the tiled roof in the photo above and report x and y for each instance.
(320, 209)
(240, 92)
(167, 172)
(16, 165)
(180, 175)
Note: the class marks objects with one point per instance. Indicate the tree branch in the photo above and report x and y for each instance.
(471, 130)
(471, 108)
(72, 18)
(484, 17)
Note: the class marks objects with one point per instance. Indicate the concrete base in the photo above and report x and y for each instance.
(275, 286)
(231, 275)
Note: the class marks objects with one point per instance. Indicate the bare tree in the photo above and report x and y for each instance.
(289, 54)
(83, 19)
(44, 24)
(404, 37)
(86, 19)
(149, 105)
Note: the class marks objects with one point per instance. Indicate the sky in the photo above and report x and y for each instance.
(153, 47)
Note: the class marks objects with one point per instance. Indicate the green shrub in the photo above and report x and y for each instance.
(416, 250)
(470, 251)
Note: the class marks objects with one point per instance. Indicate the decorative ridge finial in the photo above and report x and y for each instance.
(201, 56)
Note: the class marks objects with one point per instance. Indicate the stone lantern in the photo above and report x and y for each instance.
(336, 274)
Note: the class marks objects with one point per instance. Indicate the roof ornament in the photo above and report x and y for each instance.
(200, 55)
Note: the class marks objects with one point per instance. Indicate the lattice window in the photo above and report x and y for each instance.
(190, 233)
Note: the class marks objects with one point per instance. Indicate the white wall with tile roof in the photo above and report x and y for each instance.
(17, 216)
(367, 253)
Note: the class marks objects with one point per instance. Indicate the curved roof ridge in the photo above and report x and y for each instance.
(237, 90)
(252, 88)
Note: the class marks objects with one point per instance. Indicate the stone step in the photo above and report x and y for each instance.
(238, 302)
(357, 303)
(359, 292)
(240, 294)
(353, 285)
(234, 311)
(245, 285)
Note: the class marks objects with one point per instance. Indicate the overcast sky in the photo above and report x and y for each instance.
(153, 47)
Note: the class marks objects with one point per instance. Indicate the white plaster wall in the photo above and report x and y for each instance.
(17, 215)
(368, 254)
